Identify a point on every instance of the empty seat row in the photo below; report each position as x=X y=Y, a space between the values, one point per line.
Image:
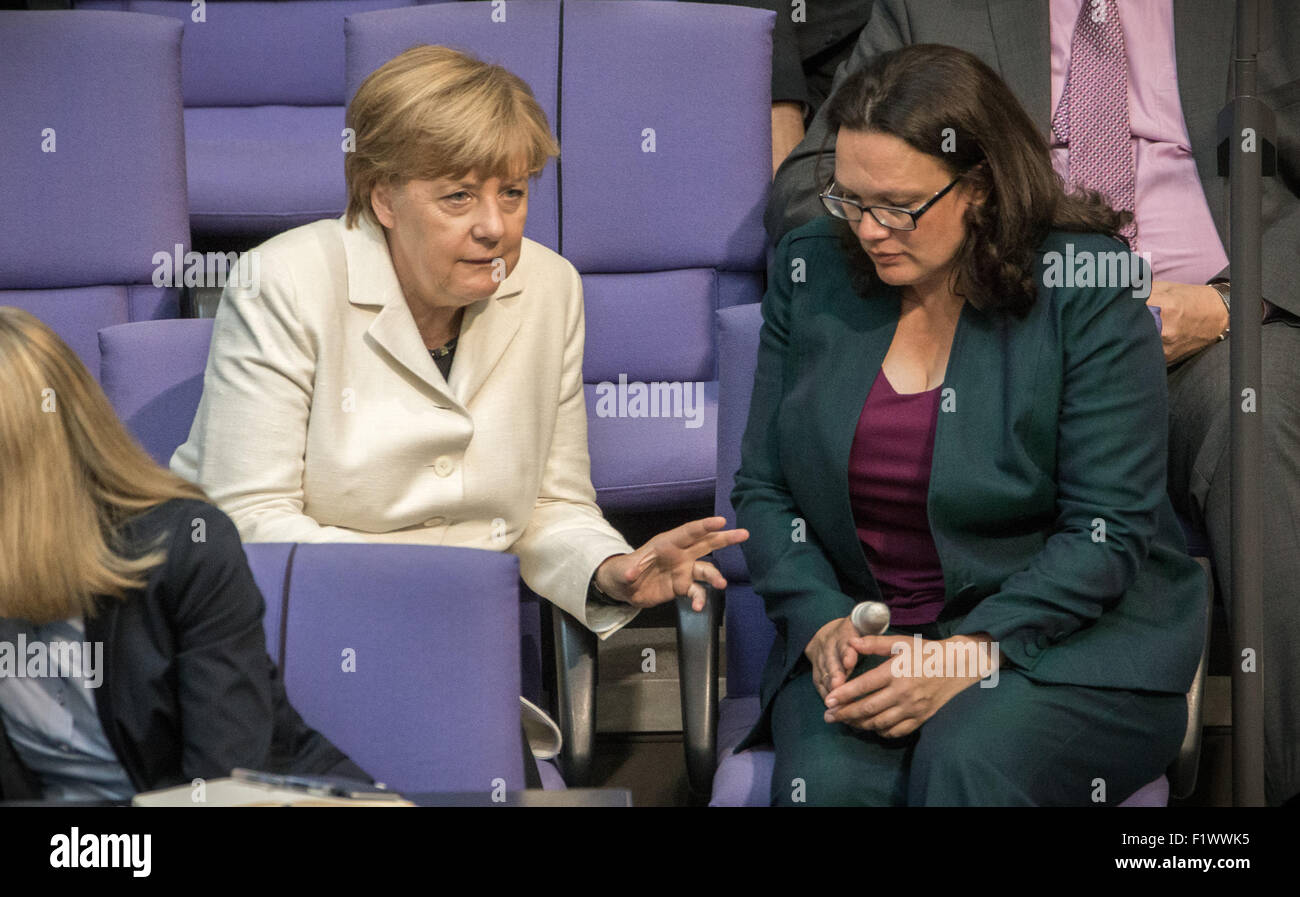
x=662 y=113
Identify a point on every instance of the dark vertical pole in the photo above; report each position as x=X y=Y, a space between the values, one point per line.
x=1246 y=146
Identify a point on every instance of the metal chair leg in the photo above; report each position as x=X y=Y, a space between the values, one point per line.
x=697 y=659
x=575 y=675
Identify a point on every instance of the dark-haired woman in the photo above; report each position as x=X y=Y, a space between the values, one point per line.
x=973 y=435
x=132 y=654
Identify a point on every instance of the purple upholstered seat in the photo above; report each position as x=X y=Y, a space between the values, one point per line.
x=153 y=376
x=525 y=41
x=263 y=89
x=152 y=372
x=744 y=779
x=390 y=653
x=665 y=122
x=94 y=169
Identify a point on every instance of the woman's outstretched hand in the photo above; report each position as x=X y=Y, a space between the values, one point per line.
x=669 y=565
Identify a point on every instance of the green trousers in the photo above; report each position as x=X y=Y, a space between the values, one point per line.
x=1020 y=743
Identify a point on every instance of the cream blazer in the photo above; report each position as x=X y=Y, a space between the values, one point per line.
x=323 y=418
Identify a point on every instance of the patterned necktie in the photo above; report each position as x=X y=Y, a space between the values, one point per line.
x=1097 y=132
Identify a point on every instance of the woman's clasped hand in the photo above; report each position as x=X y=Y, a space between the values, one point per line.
x=896 y=696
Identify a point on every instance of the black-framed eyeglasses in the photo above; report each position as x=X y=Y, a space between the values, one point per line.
x=886 y=216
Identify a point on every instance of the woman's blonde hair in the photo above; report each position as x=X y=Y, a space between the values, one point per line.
x=70 y=475
x=433 y=113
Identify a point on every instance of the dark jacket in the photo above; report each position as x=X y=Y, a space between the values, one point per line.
x=806 y=53
x=188 y=689
x=1048 y=425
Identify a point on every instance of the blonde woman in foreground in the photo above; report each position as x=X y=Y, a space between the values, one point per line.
x=131 y=656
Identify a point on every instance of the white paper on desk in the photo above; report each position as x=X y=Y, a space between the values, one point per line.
x=234 y=793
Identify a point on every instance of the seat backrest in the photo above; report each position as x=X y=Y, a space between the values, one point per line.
x=522 y=36
x=94 y=156
x=665 y=121
x=665 y=116
x=749 y=632
x=406 y=658
x=240 y=53
x=738 y=330
x=152 y=373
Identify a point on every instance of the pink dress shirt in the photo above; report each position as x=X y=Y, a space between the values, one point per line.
x=1173 y=218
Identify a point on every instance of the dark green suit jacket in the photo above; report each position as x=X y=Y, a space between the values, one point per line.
x=1047 y=498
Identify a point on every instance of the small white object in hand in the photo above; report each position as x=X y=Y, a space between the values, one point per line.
x=870 y=618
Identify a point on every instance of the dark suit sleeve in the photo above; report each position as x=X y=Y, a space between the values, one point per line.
x=788 y=82
x=224 y=680
x=793 y=200
x=1279 y=82
x=795 y=578
x=1110 y=472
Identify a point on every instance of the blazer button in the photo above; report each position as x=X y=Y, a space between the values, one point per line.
x=435 y=521
x=444 y=466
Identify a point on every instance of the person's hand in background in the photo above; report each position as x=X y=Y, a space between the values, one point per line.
x=1191 y=317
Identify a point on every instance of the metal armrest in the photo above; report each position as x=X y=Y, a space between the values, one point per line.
x=575 y=687
x=697 y=670
x=1182 y=772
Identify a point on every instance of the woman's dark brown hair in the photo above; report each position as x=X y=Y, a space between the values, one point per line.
x=917 y=94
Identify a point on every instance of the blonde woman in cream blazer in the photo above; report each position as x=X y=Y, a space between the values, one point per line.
x=324 y=416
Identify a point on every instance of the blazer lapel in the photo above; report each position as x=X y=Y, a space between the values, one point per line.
x=847 y=365
x=373 y=282
x=487 y=330
x=1022 y=38
x=851 y=351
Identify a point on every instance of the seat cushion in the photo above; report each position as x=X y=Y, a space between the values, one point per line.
x=666 y=461
x=1152 y=794
x=744 y=779
x=550 y=775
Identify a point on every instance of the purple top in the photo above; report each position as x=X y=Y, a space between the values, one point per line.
x=889 y=480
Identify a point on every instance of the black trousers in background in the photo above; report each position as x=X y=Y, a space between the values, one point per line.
x=1200 y=473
